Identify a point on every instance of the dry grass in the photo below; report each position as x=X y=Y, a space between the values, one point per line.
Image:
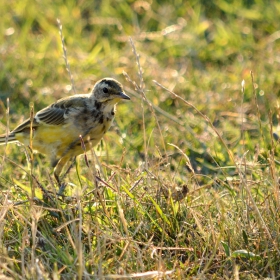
x=186 y=182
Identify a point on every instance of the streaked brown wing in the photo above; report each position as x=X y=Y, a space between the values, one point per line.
x=52 y=115
x=25 y=126
x=56 y=113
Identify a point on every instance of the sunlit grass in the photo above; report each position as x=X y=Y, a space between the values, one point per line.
x=185 y=185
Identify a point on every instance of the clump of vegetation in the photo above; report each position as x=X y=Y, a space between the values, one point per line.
x=185 y=183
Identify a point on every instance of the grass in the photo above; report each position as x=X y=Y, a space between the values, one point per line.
x=186 y=182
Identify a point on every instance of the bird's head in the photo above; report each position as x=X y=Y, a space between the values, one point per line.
x=109 y=90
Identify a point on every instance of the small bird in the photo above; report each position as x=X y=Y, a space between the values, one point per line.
x=57 y=129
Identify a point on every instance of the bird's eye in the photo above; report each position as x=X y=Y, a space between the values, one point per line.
x=105 y=90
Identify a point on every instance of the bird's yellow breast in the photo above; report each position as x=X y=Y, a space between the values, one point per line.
x=57 y=140
x=48 y=139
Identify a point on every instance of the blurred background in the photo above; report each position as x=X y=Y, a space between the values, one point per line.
x=200 y=49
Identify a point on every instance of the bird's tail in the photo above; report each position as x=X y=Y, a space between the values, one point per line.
x=4 y=138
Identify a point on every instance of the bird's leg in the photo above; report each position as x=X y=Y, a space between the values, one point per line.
x=58 y=168
x=73 y=160
x=63 y=184
x=59 y=164
x=56 y=176
x=60 y=183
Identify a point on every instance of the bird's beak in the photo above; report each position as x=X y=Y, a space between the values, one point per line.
x=122 y=95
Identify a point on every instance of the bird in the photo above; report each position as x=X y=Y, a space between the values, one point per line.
x=71 y=125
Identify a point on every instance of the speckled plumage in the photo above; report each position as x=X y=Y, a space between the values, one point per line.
x=58 y=127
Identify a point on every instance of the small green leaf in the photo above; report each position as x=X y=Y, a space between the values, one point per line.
x=128 y=192
x=245 y=237
x=244 y=254
x=160 y=212
x=226 y=248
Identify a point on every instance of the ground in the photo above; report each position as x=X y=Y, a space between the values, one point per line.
x=185 y=185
